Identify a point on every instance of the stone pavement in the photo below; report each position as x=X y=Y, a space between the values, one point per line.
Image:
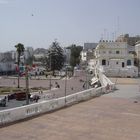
x=125 y=80
x=103 y=118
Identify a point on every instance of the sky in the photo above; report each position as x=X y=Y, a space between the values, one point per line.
x=37 y=23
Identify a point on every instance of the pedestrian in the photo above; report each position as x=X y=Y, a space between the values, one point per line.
x=41 y=91
x=84 y=86
x=107 y=87
x=57 y=85
x=8 y=98
x=5 y=97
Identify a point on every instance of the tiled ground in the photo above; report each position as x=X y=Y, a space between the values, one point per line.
x=103 y=118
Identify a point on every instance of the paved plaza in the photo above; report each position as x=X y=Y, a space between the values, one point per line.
x=103 y=118
x=72 y=85
x=113 y=116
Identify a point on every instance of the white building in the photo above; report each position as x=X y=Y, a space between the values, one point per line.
x=115 y=60
x=67 y=54
x=88 y=51
x=84 y=55
x=137 y=49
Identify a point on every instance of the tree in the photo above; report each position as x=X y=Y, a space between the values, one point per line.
x=55 y=59
x=20 y=49
x=75 y=55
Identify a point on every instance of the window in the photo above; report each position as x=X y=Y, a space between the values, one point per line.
x=122 y=64
x=128 y=62
x=103 y=62
x=110 y=52
x=117 y=52
x=117 y=62
x=104 y=52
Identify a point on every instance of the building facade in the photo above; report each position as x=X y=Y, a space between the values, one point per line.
x=115 y=60
x=137 y=50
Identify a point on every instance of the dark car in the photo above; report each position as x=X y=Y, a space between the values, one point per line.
x=3 y=102
x=21 y=95
x=11 y=96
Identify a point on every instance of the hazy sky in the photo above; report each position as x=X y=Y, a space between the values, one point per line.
x=37 y=23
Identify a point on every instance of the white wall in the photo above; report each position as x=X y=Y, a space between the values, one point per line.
x=19 y=113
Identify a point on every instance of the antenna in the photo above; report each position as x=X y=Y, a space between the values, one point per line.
x=104 y=34
x=101 y=37
x=107 y=35
x=113 y=36
x=118 y=25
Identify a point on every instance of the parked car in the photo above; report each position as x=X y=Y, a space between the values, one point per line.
x=2 y=102
x=11 y=96
x=21 y=95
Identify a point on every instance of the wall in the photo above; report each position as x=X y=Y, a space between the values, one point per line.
x=19 y=113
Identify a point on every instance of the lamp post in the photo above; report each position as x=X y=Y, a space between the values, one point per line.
x=27 y=85
x=65 y=84
x=87 y=78
x=138 y=63
x=50 y=71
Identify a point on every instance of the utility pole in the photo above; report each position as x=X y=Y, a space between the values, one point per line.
x=50 y=70
x=138 y=63
x=27 y=85
x=65 y=85
x=87 y=78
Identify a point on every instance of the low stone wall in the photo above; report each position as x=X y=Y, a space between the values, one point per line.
x=19 y=113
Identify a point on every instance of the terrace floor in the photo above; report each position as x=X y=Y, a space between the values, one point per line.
x=103 y=118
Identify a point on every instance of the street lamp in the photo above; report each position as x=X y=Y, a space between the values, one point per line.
x=87 y=76
x=50 y=71
x=27 y=85
x=65 y=83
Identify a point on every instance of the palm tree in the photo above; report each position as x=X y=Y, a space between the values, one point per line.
x=20 y=49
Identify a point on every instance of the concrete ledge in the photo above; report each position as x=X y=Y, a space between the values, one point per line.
x=21 y=113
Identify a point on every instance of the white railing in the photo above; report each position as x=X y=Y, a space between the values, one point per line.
x=105 y=81
x=19 y=113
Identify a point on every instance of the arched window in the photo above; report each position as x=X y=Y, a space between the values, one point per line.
x=103 y=62
x=128 y=62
